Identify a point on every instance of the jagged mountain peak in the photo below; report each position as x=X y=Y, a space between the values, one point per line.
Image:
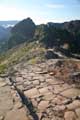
x=25 y=24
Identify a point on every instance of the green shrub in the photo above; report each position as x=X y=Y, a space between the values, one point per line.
x=2 y=68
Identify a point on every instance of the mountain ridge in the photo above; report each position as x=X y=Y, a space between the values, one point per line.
x=44 y=42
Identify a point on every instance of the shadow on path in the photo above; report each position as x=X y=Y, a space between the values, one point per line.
x=26 y=102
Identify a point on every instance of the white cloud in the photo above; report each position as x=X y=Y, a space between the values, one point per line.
x=11 y=13
x=55 y=6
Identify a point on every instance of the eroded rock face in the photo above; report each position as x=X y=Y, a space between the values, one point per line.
x=67 y=70
x=45 y=96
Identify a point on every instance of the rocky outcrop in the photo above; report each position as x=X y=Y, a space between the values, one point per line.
x=51 y=55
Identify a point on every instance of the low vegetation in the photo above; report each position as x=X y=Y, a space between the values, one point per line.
x=29 y=42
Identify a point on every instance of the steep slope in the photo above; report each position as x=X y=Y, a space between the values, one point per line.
x=30 y=43
x=4 y=33
x=4 y=36
x=28 y=52
x=71 y=32
x=59 y=35
x=21 y=32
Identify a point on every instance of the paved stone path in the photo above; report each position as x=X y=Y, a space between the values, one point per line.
x=10 y=105
x=38 y=95
x=50 y=98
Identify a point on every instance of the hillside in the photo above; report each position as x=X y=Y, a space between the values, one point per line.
x=4 y=33
x=37 y=43
x=64 y=36
x=21 y=32
x=59 y=35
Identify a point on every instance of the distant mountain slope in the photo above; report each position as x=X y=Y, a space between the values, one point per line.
x=4 y=33
x=60 y=35
x=25 y=27
x=4 y=36
x=21 y=32
x=51 y=35
x=71 y=26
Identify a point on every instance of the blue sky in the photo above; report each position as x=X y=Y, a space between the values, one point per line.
x=41 y=11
